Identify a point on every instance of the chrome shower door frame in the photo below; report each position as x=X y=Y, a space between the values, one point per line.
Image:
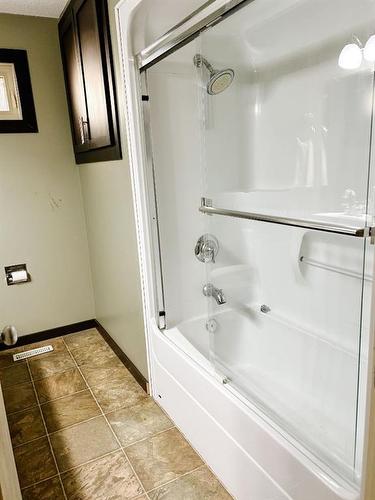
x=184 y=32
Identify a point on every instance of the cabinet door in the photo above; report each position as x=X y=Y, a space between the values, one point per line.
x=96 y=92
x=74 y=84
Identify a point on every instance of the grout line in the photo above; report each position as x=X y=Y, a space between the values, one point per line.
x=217 y=479
x=24 y=409
x=150 y=436
x=139 y=403
x=88 y=420
x=28 y=442
x=13 y=385
x=38 y=482
x=109 y=425
x=49 y=440
x=62 y=397
x=118 y=441
x=176 y=478
x=59 y=372
x=12 y=364
x=90 y=461
x=75 y=424
x=118 y=450
x=102 y=414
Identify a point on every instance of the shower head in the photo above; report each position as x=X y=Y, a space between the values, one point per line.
x=219 y=79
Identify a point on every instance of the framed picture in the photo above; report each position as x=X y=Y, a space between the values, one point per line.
x=17 y=110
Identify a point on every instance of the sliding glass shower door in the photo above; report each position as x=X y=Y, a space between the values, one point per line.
x=286 y=121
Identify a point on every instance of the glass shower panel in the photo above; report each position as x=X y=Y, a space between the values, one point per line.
x=289 y=137
x=176 y=185
x=291 y=134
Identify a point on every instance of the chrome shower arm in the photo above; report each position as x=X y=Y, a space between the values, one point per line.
x=199 y=60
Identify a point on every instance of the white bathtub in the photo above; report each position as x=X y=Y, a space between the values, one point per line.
x=254 y=459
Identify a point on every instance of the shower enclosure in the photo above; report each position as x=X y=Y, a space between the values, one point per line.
x=259 y=134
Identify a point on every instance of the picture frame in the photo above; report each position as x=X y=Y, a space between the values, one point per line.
x=17 y=109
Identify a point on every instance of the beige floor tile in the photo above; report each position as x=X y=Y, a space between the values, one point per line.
x=108 y=477
x=118 y=394
x=69 y=410
x=138 y=422
x=83 y=339
x=158 y=453
x=34 y=462
x=46 y=490
x=20 y=399
x=162 y=458
x=59 y=385
x=25 y=426
x=6 y=356
x=94 y=355
x=111 y=370
x=198 y=485
x=50 y=363
x=18 y=373
x=57 y=344
x=82 y=442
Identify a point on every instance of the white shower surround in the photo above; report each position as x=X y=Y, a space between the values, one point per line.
x=249 y=456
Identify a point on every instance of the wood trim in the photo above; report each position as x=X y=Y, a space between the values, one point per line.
x=31 y=338
x=28 y=124
x=142 y=381
x=52 y=333
x=9 y=484
x=112 y=151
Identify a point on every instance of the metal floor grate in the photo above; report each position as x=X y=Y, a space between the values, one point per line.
x=32 y=352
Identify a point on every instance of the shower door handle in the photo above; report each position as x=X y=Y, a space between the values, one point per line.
x=361 y=232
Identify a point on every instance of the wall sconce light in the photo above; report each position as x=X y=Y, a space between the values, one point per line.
x=369 y=50
x=351 y=55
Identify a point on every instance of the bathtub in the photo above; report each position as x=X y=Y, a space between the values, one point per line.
x=253 y=457
x=231 y=425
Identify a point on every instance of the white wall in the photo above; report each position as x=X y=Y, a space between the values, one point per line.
x=42 y=221
x=108 y=205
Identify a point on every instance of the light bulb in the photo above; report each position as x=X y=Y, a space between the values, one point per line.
x=350 y=57
x=369 y=50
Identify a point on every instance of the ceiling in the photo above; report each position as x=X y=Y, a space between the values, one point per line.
x=43 y=8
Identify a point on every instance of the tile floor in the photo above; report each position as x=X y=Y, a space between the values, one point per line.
x=82 y=428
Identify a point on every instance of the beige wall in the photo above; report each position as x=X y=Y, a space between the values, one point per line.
x=42 y=221
x=107 y=195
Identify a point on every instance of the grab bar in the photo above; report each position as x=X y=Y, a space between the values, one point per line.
x=362 y=232
x=334 y=269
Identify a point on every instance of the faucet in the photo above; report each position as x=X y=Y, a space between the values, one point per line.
x=209 y=290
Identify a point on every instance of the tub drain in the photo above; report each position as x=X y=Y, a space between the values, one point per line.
x=211 y=325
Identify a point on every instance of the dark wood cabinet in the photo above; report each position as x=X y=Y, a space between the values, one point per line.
x=88 y=67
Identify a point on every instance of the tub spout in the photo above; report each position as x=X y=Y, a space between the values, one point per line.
x=209 y=290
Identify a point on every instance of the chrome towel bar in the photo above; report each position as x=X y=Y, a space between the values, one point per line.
x=335 y=269
x=361 y=232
